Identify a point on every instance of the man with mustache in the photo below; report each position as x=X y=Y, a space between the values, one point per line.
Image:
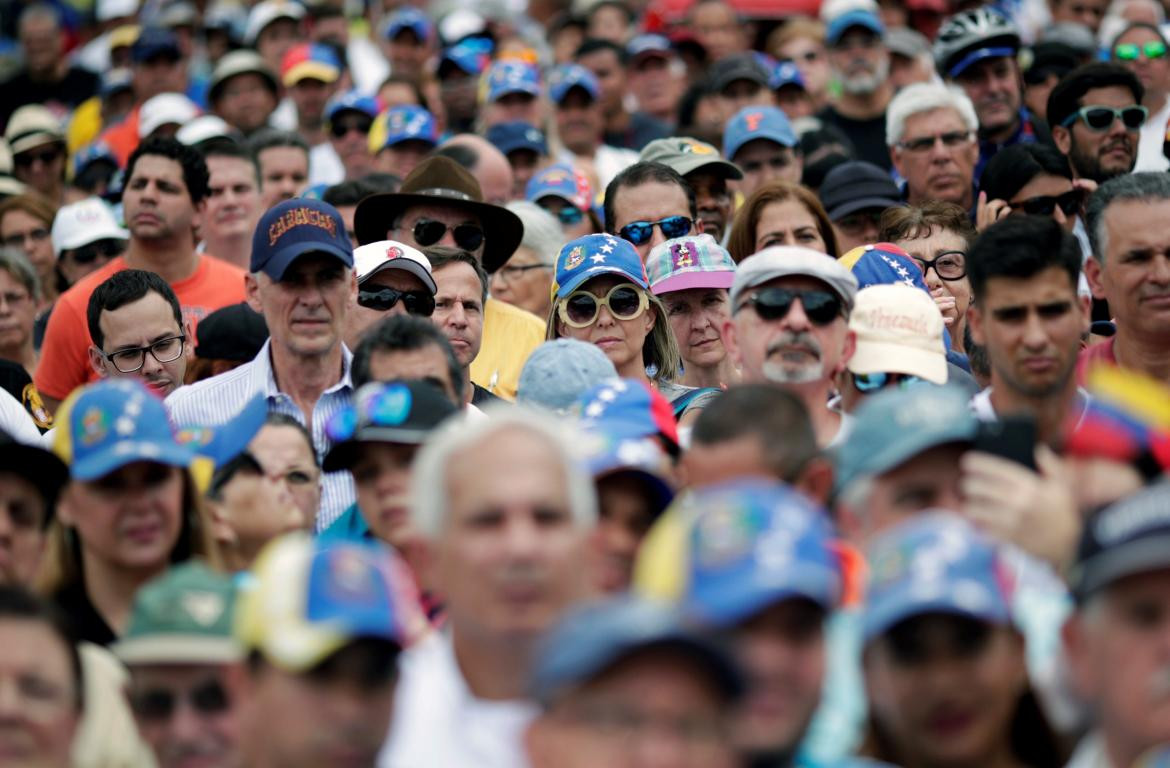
x=1115 y=640
x=860 y=62
x=506 y=516
x=976 y=50
x=1128 y=222
x=1096 y=116
x=790 y=325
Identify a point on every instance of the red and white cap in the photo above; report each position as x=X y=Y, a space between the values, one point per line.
x=372 y=258
x=84 y=222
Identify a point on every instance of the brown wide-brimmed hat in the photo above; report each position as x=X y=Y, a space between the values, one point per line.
x=442 y=181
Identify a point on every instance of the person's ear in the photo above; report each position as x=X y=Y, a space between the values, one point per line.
x=730 y=342
x=1086 y=305
x=66 y=516
x=651 y=318
x=221 y=527
x=1094 y=274
x=848 y=348
x=97 y=361
x=252 y=292
x=975 y=324
x=1062 y=138
x=896 y=160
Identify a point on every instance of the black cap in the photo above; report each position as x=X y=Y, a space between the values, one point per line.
x=741 y=66
x=154 y=42
x=855 y=186
x=43 y=469
x=235 y=332
x=1128 y=537
x=404 y=412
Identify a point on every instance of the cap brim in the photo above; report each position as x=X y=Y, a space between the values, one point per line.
x=853 y=206
x=276 y=266
x=717 y=603
x=85 y=237
x=310 y=70
x=40 y=467
x=713 y=279
x=580 y=277
x=694 y=163
x=406 y=265
x=177 y=649
x=1148 y=554
x=344 y=455
x=887 y=614
x=889 y=357
x=127 y=452
x=897 y=452
x=502 y=229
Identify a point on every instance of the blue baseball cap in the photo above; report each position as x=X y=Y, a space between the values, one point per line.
x=91 y=153
x=511 y=76
x=895 y=425
x=754 y=544
x=858 y=17
x=409 y=17
x=116 y=422
x=595 y=637
x=883 y=264
x=625 y=409
x=410 y=123
x=353 y=101
x=592 y=255
x=785 y=73
x=224 y=442
x=511 y=137
x=643 y=457
x=154 y=42
x=936 y=563
x=470 y=56
x=558 y=372
x=751 y=123
x=569 y=76
x=295 y=227
x=646 y=46
x=559 y=181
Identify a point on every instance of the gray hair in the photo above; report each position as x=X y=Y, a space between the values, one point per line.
x=542 y=233
x=17 y=264
x=429 y=494
x=925 y=97
x=38 y=11
x=1143 y=187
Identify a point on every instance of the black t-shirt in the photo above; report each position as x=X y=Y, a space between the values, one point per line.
x=77 y=86
x=642 y=130
x=87 y=624
x=868 y=136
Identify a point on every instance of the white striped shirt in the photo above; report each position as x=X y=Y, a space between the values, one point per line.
x=218 y=399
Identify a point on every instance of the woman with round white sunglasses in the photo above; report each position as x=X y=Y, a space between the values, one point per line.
x=601 y=295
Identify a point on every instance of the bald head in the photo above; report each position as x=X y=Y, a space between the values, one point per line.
x=491 y=168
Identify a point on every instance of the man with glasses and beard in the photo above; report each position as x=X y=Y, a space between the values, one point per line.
x=861 y=63
x=441 y=204
x=1096 y=116
x=790 y=325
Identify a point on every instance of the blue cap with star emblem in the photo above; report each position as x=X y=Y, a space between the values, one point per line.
x=936 y=563
x=592 y=256
x=512 y=76
x=754 y=544
x=410 y=123
x=116 y=422
x=625 y=409
x=895 y=425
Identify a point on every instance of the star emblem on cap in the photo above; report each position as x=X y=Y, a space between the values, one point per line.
x=607 y=248
x=598 y=258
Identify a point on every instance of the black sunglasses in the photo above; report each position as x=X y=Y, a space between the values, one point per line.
x=1045 y=205
x=108 y=249
x=383 y=299
x=343 y=127
x=821 y=307
x=46 y=156
x=158 y=705
x=638 y=232
x=427 y=232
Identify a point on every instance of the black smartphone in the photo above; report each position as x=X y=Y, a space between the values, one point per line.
x=1013 y=438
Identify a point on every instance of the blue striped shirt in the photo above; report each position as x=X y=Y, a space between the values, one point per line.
x=218 y=399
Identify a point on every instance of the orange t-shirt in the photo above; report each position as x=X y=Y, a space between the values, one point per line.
x=64 y=363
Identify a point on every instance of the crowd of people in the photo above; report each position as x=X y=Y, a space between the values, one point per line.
x=556 y=383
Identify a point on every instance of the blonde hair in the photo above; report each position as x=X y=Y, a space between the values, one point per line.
x=660 y=349
x=795 y=28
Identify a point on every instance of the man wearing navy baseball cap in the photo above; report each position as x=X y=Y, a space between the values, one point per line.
x=302 y=281
x=525 y=147
x=761 y=142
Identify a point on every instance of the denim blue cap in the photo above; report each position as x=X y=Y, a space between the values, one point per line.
x=594 y=637
x=894 y=426
x=558 y=372
x=155 y=41
x=295 y=227
x=509 y=76
x=648 y=45
x=353 y=101
x=593 y=255
x=225 y=441
x=510 y=137
x=568 y=76
x=751 y=123
x=471 y=56
x=116 y=422
x=625 y=409
x=754 y=544
x=556 y=181
x=641 y=457
x=855 y=18
x=785 y=73
x=409 y=17
x=937 y=563
x=91 y=153
x=410 y=123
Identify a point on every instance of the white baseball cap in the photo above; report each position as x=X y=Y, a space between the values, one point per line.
x=84 y=222
x=899 y=329
x=268 y=11
x=164 y=109
x=203 y=128
x=372 y=258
